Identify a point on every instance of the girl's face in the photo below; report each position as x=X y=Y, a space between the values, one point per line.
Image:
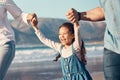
x=65 y=36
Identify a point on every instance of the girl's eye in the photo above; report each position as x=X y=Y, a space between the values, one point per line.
x=64 y=33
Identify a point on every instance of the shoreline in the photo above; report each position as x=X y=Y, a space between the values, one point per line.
x=48 y=70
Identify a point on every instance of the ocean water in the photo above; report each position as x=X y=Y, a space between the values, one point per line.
x=44 y=53
x=36 y=63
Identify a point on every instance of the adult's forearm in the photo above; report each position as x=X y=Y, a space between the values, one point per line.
x=95 y=14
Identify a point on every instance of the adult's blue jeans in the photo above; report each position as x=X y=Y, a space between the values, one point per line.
x=7 y=53
x=111 y=63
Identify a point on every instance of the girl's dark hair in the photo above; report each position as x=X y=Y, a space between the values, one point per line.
x=69 y=26
x=82 y=52
x=57 y=57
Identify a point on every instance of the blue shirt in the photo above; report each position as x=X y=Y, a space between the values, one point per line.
x=112 y=32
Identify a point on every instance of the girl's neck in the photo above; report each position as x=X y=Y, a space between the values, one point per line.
x=66 y=46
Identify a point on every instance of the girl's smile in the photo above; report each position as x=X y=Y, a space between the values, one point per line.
x=65 y=36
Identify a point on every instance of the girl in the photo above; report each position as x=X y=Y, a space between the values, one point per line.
x=72 y=66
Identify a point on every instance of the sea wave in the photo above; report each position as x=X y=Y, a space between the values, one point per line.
x=43 y=53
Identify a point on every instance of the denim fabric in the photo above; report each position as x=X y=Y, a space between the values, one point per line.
x=111 y=65
x=7 y=52
x=73 y=68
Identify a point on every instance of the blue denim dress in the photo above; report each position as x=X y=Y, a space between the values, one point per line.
x=73 y=68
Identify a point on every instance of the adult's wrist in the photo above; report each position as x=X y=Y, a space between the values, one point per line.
x=79 y=16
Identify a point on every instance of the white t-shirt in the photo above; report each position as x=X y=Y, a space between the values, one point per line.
x=6 y=31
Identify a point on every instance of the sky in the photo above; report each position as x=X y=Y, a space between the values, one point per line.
x=54 y=8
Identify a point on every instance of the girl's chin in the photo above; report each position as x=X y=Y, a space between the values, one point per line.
x=63 y=43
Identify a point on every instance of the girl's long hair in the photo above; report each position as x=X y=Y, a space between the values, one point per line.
x=82 y=51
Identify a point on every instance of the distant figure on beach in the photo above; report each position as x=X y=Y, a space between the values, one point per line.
x=109 y=11
x=7 y=37
x=72 y=60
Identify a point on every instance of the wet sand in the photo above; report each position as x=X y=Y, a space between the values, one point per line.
x=45 y=70
x=49 y=70
x=98 y=76
x=95 y=67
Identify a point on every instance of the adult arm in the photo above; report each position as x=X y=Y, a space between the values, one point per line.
x=17 y=13
x=96 y=14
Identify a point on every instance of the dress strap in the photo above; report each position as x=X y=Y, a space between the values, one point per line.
x=73 y=49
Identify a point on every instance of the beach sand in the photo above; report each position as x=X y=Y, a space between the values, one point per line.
x=98 y=76
x=95 y=67
x=48 y=70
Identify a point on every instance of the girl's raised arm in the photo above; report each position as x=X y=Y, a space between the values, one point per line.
x=42 y=38
x=77 y=42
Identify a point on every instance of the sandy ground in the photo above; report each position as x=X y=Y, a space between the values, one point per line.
x=48 y=70
x=98 y=76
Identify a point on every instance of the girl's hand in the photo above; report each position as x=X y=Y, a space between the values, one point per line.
x=33 y=21
x=32 y=16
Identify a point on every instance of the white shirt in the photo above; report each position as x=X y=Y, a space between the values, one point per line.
x=6 y=31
